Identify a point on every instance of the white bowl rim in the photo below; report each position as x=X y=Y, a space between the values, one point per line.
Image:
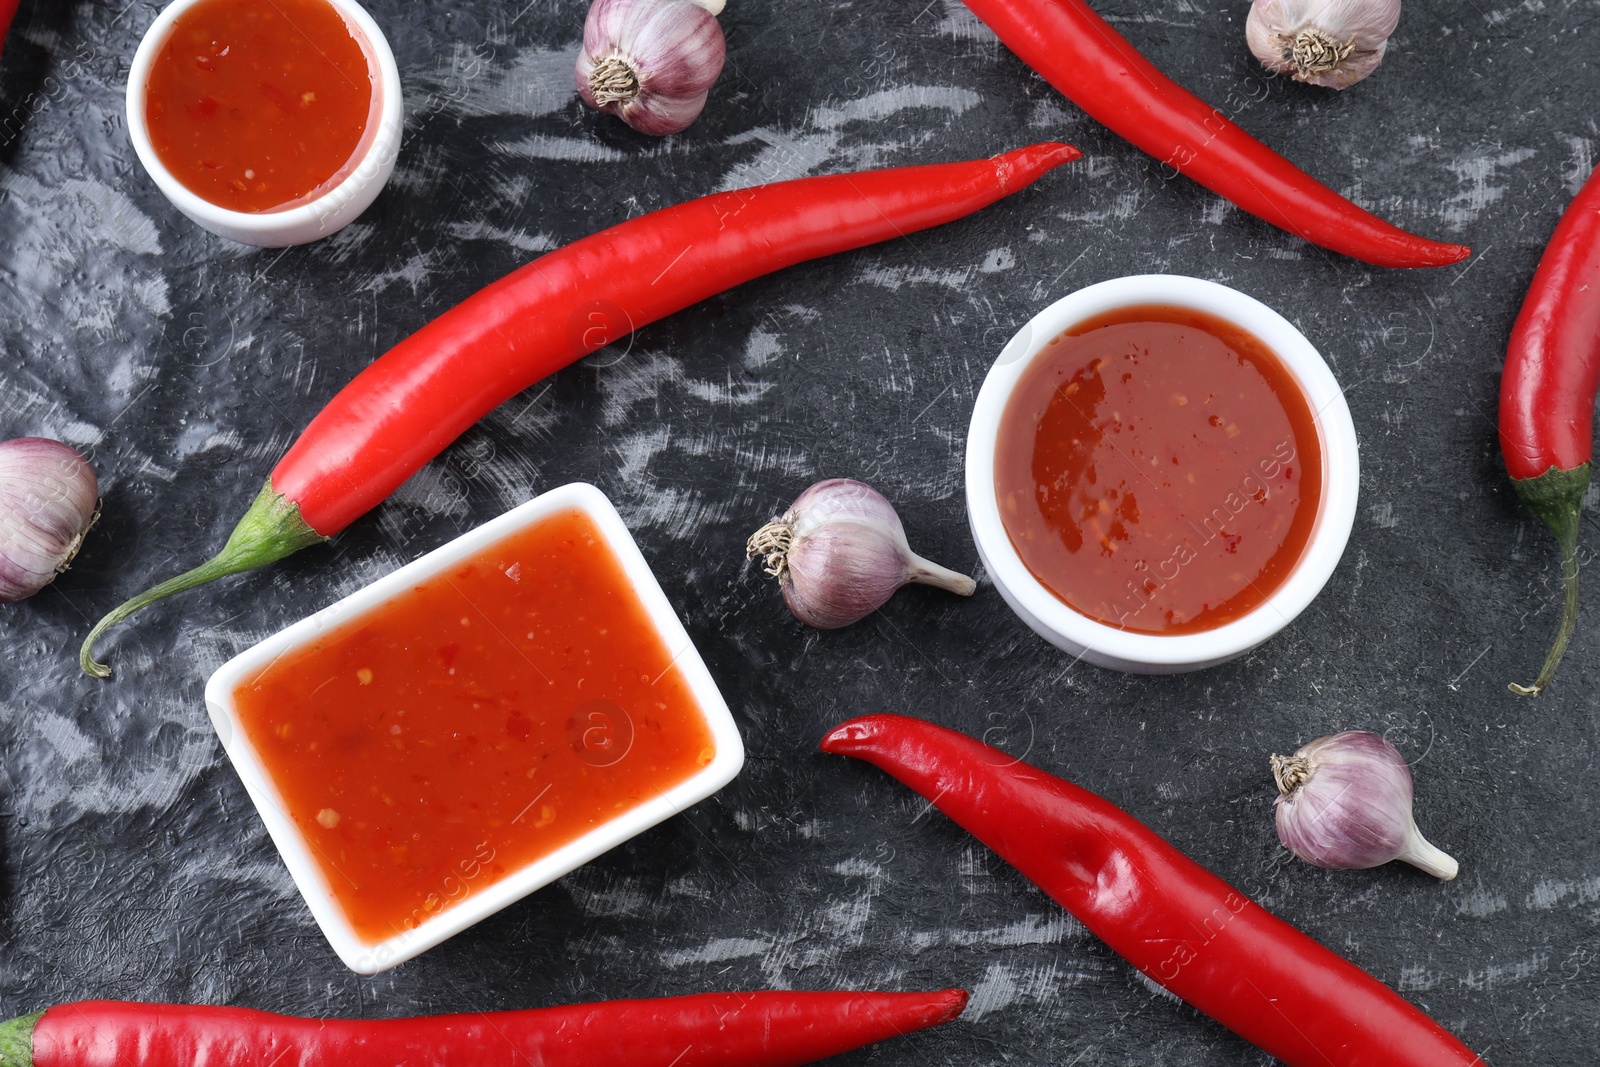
x=1340 y=471
x=366 y=957
x=384 y=140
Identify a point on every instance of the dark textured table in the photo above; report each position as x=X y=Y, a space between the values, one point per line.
x=131 y=862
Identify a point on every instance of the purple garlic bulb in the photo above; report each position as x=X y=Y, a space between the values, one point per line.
x=1345 y=803
x=650 y=62
x=840 y=552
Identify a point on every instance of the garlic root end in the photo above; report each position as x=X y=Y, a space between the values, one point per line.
x=614 y=80
x=1289 y=773
x=771 y=544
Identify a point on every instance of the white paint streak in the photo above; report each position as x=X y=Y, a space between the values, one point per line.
x=1004 y=985
x=893 y=278
x=1546 y=895
x=1415 y=978
x=959 y=22
x=414 y=272
x=600 y=896
x=69 y=766
x=718 y=950
x=70 y=248
x=1032 y=930
x=1497 y=974
x=1478 y=174
x=859 y=868
x=761 y=349
x=1480 y=904
x=520 y=239
x=567 y=149
x=880 y=105
x=795 y=153
x=534 y=82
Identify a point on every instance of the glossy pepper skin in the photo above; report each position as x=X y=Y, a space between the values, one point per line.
x=767 y=1029
x=1096 y=68
x=426 y=391
x=1178 y=923
x=1547 y=394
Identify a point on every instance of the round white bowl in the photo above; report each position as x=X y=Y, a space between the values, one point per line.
x=300 y=225
x=1108 y=646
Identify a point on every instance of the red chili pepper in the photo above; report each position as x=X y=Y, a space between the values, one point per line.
x=1096 y=68
x=769 y=1029
x=426 y=391
x=1178 y=923
x=1547 y=394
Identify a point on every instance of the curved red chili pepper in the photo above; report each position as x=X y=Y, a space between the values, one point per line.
x=1547 y=394
x=426 y=391
x=1096 y=68
x=766 y=1029
x=1178 y=923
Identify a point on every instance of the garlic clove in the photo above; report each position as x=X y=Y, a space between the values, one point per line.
x=840 y=552
x=650 y=62
x=49 y=498
x=1345 y=803
x=1332 y=43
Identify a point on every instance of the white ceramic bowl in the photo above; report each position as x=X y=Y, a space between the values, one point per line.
x=1143 y=653
x=300 y=225
x=368 y=957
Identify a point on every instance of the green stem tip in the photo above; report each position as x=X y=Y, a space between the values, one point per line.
x=1556 y=496
x=16 y=1041
x=269 y=531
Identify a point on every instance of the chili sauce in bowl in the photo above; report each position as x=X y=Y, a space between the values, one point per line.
x=1161 y=473
x=270 y=123
x=473 y=726
x=1158 y=469
x=260 y=107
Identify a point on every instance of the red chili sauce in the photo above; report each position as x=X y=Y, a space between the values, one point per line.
x=475 y=724
x=261 y=106
x=1158 y=469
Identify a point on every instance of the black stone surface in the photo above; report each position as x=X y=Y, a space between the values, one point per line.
x=132 y=864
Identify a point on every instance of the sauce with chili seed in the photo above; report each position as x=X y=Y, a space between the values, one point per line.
x=475 y=724
x=261 y=106
x=1158 y=469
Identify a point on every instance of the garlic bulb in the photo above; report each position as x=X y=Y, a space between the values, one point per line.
x=1345 y=803
x=650 y=62
x=1333 y=43
x=49 y=497
x=840 y=552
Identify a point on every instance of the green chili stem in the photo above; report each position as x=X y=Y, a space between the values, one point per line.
x=16 y=1041
x=269 y=531
x=1556 y=496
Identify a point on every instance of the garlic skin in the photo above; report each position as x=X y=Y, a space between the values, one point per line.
x=840 y=552
x=49 y=497
x=650 y=62
x=1344 y=803
x=1332 y=43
